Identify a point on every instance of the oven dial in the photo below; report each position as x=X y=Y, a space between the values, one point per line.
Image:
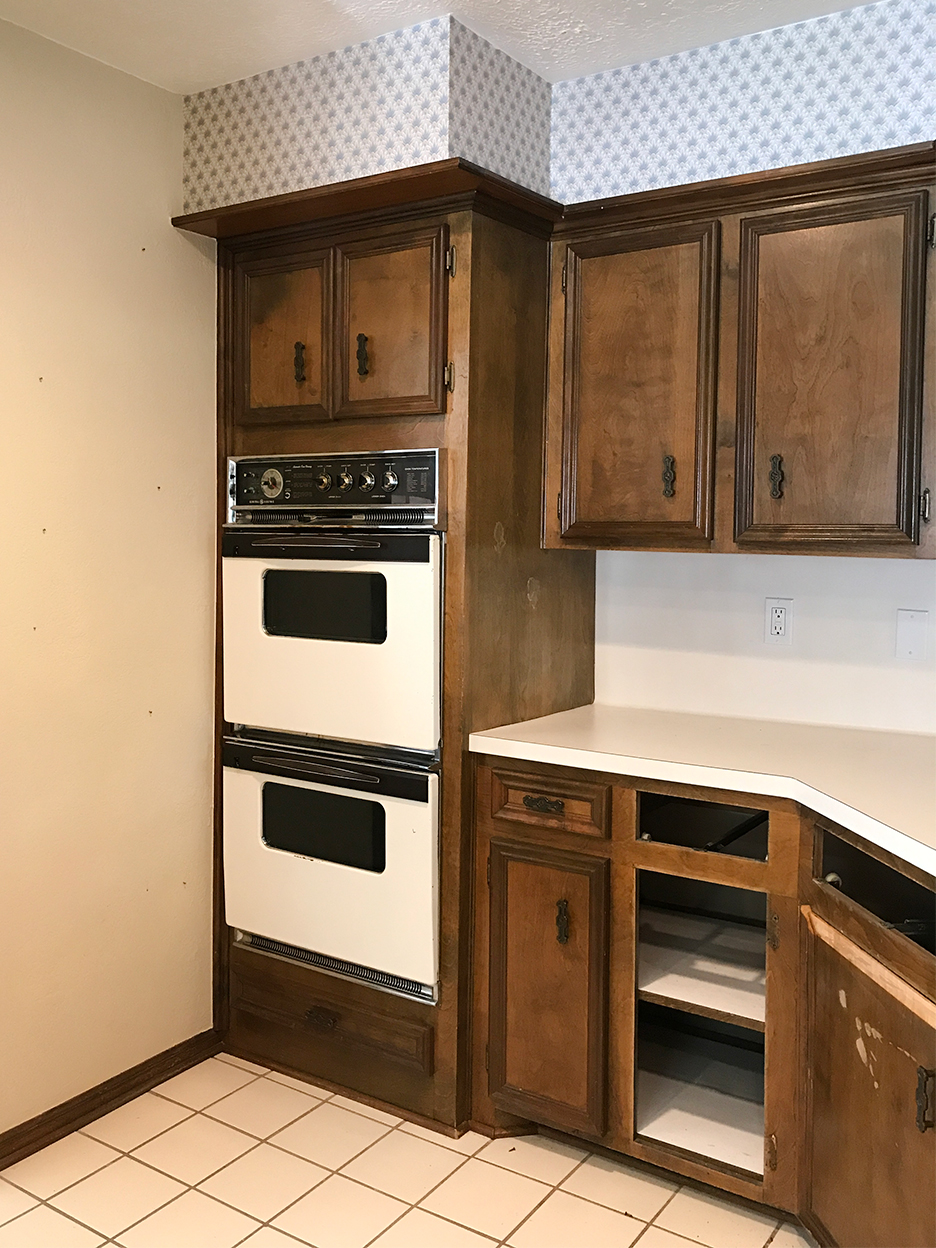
x=272 y=483
x=367 y=481
x=390 y=481
x=323 y=481
x=345 y=480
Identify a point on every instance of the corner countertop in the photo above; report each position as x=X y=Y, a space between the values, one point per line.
x=881 y=785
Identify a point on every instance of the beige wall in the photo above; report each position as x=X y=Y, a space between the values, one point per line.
x=106 y=569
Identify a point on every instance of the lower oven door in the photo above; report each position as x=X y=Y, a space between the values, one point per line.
x=334 y=635
x=333 y=857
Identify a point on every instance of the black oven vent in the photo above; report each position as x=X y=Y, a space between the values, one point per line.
x=337 y=966
x=377 y=516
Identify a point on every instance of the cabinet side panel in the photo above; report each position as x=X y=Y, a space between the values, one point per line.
x=530 y=613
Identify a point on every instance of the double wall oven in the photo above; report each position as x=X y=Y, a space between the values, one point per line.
x=331 y=610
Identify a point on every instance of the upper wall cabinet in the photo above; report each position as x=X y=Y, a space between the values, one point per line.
x=391 y=325
x=354 y=329
x=639 y=386
x=830 y=373
x=289 y=347
x=740 y=365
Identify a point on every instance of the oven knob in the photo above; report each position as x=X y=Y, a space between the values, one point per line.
x=272 y=483
x=390 y=481
x=345 y=480
x=367 y=481
x=323 y=481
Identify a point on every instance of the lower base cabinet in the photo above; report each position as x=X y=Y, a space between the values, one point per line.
x=670 y=973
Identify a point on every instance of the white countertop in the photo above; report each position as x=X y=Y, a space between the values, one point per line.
x=881 y=785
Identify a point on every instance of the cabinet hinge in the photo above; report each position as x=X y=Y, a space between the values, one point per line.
x=489 y=871
x=931 y=231
x=770 y=1152
x=451 y=256
x=925 y=506
x=773 y=931
x=565 y=276
x=449 y=376
x=559 y=508
x=487 y=1057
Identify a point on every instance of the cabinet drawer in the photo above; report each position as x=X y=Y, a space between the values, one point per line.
x=547 y=802
x=265 y=992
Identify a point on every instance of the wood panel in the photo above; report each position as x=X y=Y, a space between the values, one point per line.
x=870 y=1168
x=391 y=324
x=639 y=386
x=578 y=806
x=548 y=985
x=830 y=374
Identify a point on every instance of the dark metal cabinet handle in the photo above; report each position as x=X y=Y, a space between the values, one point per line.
x=545 y=805
x=299 y=362
x=669 y=476
x=562 y=922
x=362 y=360
x=925 y=1089
x=775 y=476
x=321 y=1019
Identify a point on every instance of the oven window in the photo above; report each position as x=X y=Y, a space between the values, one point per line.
x=348 y=830
x=328 y=606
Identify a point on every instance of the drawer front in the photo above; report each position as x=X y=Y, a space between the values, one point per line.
x=555 y=803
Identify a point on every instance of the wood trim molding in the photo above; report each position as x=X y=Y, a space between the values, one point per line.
x=61 y=1120
x=892 y=984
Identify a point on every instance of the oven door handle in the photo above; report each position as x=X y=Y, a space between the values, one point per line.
x=305 y=543
x=314 y=769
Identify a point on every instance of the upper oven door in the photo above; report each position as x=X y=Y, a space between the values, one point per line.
x=335 y=635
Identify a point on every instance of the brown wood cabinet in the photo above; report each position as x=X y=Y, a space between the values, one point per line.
x=741 y=365
x=639 y=400
x=713 y=983
x=350 y=330
x=549 y=972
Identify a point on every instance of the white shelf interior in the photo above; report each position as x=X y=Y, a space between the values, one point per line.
x=710 y=963
x=701 y=1120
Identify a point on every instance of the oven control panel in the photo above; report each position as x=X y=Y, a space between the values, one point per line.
x=398 y=488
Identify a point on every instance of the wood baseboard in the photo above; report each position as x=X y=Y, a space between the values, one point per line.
x=61 y=1120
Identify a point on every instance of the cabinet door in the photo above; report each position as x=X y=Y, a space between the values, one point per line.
x=830 y=375
x=871 y=1145
x=548 y=985
x=287 y=348
x=639 y=387
x=391 y=324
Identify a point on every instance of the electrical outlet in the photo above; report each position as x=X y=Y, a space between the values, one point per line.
x=778 y=621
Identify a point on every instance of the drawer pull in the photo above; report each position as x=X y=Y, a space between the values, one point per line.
x=362 y=361
x=924 y=1099
x=775 y=476
x=299 y=363
x=320 y=1019
x=669 y=476
x=545 y=805
x=562 y=922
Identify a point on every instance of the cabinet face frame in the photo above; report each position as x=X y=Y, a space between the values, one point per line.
x=433 y=402
x=905 y=531
x=245 y=270
x=596 y=870
x=644 y=533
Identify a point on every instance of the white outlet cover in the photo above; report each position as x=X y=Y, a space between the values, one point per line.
x=911 y=635
x=786 y=637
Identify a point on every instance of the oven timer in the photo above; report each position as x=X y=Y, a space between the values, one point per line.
x=271 y=483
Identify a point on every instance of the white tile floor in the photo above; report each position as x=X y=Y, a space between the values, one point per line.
x=229 y=1153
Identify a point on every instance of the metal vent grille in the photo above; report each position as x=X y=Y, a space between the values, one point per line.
x=374 y=515
x=337 y=966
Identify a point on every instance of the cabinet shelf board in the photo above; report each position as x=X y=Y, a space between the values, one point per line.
x=712 y=967
x=700 y=1120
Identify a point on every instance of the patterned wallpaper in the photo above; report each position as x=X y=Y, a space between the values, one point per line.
x=853 y=82
x=498 y=111
x=377 y=106
x=417 y=95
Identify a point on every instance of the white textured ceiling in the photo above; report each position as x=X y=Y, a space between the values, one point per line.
x=187 y=45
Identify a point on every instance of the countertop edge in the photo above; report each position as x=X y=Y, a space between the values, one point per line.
x=873 y=830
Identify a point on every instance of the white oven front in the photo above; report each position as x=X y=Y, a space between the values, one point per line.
x=334 y=856
x=334 y=635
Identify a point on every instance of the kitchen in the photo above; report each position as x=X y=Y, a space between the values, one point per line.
x=675 y=632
